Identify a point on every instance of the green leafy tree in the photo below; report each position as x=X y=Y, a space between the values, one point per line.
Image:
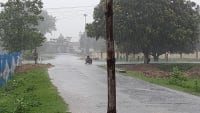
x=18 y=24
x=97 y=28
x=152 y=27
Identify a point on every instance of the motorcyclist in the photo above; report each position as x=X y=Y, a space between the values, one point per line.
x=88 y=60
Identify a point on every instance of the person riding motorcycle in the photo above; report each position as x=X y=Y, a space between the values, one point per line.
x=88 y=60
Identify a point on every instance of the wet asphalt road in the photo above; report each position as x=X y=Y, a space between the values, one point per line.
x=84 y=88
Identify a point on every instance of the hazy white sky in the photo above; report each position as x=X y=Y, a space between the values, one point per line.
x=69 y=15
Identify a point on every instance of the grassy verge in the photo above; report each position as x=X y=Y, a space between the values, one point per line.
x=177 y=80
x=181 y=66
x=189 y=85
x=31 y=92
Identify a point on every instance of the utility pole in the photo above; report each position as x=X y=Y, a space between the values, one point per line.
x=85 y=15
x=110 y=58
x=85 y=35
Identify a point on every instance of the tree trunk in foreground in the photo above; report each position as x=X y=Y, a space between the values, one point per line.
x=110 y=58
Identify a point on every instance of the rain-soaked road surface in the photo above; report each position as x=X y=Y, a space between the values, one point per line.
x=84 y=88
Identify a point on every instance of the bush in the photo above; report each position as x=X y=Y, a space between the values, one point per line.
x=21 y=106
x=196 y=86
x=177 y=77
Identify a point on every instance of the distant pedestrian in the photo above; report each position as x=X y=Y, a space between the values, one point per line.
x=148 y=61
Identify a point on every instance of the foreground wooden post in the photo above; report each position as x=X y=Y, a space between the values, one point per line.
x=110 y=58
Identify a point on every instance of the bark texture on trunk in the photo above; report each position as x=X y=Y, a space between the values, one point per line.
x=146 y=58
x=110 y=58
x=197 y=54
x=127 y=57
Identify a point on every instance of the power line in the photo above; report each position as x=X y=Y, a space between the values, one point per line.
x=80 y=10
x=64 y=18
x=73 y=7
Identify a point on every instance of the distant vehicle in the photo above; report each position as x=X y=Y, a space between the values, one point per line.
x=88 y=60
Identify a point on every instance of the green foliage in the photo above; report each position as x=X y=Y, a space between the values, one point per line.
x=177 y=81
x=140 y=26
x=25 y=104
x=181 y=66
x=21 y=106
x=18 y=21
x=177 y=77
x=197 y=85
x=31 y=92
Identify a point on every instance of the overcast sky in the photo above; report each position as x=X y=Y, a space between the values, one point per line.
x=69 y=15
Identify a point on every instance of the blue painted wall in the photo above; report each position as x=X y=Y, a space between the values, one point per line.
x=8 y=63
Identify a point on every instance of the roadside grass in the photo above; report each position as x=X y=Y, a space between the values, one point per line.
x=181 y=66
x=190 y=85
x=177 y=80
x=31 y=92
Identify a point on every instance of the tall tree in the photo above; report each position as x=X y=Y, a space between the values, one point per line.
x=152 y=27
x=18 y=24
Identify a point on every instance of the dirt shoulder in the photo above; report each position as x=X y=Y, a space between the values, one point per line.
x=151 y=70
x=29 y=67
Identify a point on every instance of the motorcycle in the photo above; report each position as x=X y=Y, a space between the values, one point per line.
x=88 y=61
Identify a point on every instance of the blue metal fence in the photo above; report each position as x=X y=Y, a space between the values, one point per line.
x=8 y=63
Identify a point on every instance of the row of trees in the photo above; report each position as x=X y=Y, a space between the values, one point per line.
x=86 y=44
x=152 y=27
x=23 y=24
